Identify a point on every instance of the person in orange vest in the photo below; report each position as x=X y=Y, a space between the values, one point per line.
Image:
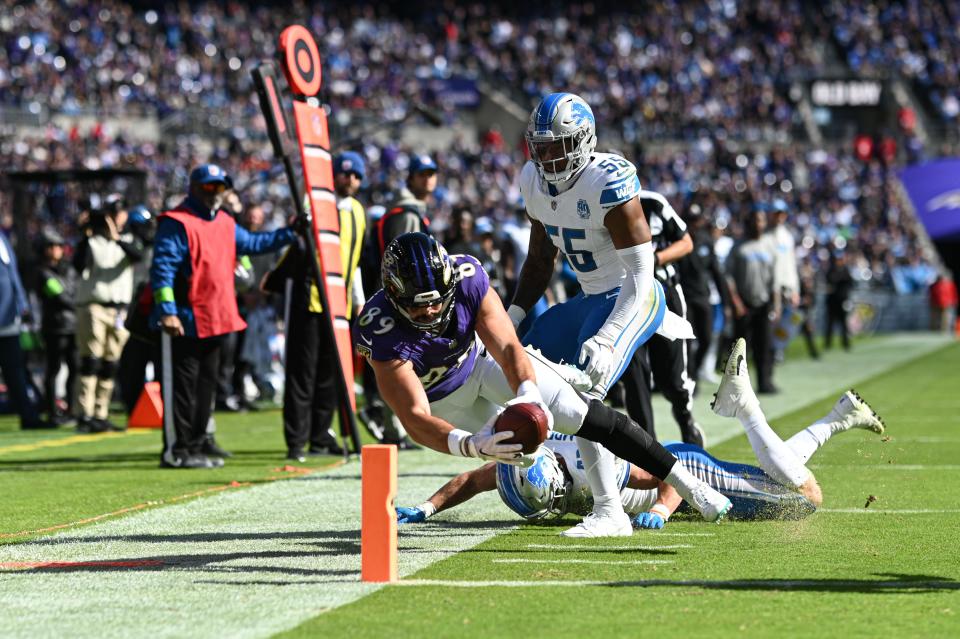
x=195 y=250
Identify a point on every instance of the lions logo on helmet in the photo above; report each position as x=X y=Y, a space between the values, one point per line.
x=534 y=492
x=561 y=135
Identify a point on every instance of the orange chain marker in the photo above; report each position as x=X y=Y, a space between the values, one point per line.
x=378 y=524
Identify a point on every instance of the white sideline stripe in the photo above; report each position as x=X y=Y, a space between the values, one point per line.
x=881 y=511
x=634 y=562
x=773 y=584
x=893 y=466
x=589 y=547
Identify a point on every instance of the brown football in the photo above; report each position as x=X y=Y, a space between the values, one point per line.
x=528 y=423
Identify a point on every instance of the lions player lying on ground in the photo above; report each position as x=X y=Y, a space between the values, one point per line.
x=781 y=488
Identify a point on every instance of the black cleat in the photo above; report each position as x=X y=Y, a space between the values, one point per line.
x=211 y=449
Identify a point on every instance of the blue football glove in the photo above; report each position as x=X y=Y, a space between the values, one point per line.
x=410 y=515
x=649 y=520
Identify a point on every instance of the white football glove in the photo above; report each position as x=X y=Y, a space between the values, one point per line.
x=528 y=393
x=599 y=360
x=487 y=444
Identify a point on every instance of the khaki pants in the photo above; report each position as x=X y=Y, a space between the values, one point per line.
x=100 y=340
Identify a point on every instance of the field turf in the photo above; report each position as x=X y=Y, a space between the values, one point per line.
x=241 y=552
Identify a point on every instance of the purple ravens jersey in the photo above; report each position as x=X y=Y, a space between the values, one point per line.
x=442 y=362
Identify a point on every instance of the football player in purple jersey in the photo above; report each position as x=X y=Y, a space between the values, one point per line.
x=447 y=361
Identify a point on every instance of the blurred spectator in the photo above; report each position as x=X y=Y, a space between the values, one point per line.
x=808 y=308
x=56 y=288
x=750 y=267
x=14 y=313
x=943 y=304
x=104 y=258
x=839 y=284
x=786 y=279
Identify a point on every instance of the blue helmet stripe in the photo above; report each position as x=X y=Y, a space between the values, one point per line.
x=547 y=110
x=509 y=492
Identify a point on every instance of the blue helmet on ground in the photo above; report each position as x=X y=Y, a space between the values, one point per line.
x=537 y=491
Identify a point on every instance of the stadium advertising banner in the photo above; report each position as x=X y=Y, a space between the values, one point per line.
x=934 y=190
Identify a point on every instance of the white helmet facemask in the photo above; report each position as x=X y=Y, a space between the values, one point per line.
x=561 y=135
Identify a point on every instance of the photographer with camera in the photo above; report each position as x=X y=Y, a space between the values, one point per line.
x=104 y=259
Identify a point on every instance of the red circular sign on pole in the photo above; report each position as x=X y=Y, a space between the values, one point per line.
x=301 y=60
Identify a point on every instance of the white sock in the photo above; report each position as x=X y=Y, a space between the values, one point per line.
x=776 y=458
x=805 y=443
x=601 y=470
x=683 y=480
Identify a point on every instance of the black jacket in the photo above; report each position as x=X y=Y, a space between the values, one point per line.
x=56 y=287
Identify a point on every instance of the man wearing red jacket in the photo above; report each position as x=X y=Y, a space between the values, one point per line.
x=195 y=250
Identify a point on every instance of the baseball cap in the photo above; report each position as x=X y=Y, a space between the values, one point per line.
x=483 y=225
x=50 y=237
x=420 y=163
x=349 y=162
x=208 y=173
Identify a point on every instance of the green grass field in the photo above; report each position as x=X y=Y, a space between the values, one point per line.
x=194 y=555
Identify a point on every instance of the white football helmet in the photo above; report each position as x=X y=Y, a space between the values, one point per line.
x=534 y=492
x=561 y=135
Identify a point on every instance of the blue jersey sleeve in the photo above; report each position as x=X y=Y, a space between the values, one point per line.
x=616 y=181
x=170 y=251
x=258 y=243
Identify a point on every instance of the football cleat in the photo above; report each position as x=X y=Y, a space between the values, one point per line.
x=735 y=396
x=853 y=412
x=712 y=505
x=594 y=525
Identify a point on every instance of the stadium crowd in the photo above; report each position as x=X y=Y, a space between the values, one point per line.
x=713 y=79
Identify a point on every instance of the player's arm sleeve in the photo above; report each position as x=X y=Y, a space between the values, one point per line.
x=170 y=251
x=631 y=235
x=81 y=255
x=258 y=243
x=356 y=290
x=133 y=249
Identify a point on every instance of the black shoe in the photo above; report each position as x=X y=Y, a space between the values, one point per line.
x=190 y=461
x=38 y=424
x=769 y=389
x=329 y=449
x=91 y=425
x=372 y=420
x=296 y=455
x=692 y=434
x=403 y=443
x=107 y=425
x=211 y=449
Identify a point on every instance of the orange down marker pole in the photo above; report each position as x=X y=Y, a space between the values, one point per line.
x=378 y=525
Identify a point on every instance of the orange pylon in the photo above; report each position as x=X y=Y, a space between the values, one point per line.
x=378 y=525
x=148 y=412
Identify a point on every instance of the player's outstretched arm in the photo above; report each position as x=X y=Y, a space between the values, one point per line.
x=500 y=338
x=404 y=394
x=536 y=273
x=456 y=491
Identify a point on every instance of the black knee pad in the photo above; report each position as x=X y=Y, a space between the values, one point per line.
x=89 y=365
x=626 y=439
x=108 y=369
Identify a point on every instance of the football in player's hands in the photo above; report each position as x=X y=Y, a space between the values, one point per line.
x=528 y=423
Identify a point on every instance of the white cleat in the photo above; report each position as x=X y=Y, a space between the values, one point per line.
x=851 y=411
x=712 y=505
x=594 y=525
x=735 y=396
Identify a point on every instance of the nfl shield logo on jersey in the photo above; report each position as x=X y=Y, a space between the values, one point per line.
x=583 y=210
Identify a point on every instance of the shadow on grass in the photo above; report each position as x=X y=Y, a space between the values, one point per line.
x=896 y=583
x=343 y=537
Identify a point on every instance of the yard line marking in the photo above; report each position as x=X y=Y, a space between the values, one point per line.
x=890 y=466
x=24 y=565
x=587 y=547
x=67 y=441
x=880 y=511
x=632 y=562
x=773 y=584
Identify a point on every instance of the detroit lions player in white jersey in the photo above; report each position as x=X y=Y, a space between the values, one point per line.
x=781 y=488
x=585 y=205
